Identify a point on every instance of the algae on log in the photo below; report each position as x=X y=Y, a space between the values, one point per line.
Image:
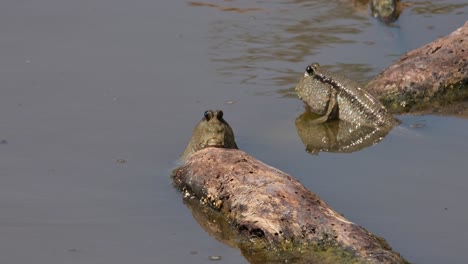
x=274 y=212
x=435 y=74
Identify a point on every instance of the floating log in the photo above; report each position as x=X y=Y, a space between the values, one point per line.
x=271 y=212
x=435 y=74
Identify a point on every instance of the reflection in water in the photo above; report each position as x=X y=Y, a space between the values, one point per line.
x=335 y=135
x=265 y=48
x=227 y=9
x=386 y=11
x=217 y=226
x=212 y=222
x=263 y=43
x=436 y=7
x=389 y=10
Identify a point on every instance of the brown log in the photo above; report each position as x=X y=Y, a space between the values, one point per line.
x=435 y=74
x=272 y=210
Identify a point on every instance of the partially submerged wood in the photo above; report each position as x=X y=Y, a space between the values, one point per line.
x=272 y=210
x=435 y=74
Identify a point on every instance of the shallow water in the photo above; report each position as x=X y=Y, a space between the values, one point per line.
x=99 y=98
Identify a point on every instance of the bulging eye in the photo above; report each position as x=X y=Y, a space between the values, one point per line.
x=207 y=114
x=311 y=69
x=219 y=115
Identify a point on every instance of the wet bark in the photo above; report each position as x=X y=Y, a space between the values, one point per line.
x=269 y=209
x=431 y=76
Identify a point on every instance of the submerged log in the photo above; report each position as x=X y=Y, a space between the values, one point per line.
x=272 y=210
x=335 y=135
x=435 y=74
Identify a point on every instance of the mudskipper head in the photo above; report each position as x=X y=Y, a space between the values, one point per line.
x=385 y=10
x=303 y=86
x=313 y=89
x=211 y=131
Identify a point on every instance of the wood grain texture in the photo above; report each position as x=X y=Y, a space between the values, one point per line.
x=432 y=75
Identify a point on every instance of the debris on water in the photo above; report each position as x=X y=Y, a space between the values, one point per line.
x=214 y=258
x=417 y=125
x=230 y=102
x=121 y=161
x=369 y=42
x=193 y=252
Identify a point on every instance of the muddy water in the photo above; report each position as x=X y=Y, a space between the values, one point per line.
x=98 y=98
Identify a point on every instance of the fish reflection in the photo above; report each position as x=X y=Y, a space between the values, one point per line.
x=335 y=135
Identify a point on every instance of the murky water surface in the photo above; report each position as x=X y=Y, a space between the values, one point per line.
x=98 y=99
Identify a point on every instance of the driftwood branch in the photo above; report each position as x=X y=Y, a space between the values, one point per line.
x=269 y=209
x=435 y=74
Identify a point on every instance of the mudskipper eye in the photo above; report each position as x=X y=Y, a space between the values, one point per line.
x=219 y=115
x=310 y=70
x=207 y=114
